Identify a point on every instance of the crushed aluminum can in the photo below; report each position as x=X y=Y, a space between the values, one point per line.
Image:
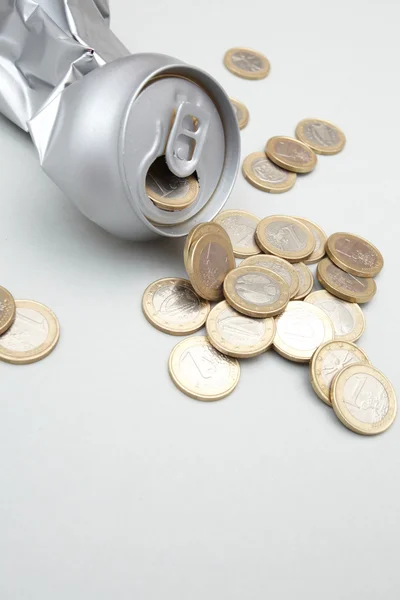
x=100 y=116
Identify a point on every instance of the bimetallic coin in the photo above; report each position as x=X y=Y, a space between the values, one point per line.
x=347 y=317
x=208 y=261
x=354 y=255
x=168 y=191
x=246 y=63
x=320 y=241
x=364 y=399
x=200 y=371
x=306 y=280
x=32 y=336
x=256 y=291
x=343 y=285
x=300 y=330
x=238 y=335
x=264 y=175
x=328 y=360
x=195 y=234
x=323 y=137
x=240 y=225
x=172 y=305
x=278 y=265
x=285 y=237
x=7 y=310
x=291 y=154
x=241 y=112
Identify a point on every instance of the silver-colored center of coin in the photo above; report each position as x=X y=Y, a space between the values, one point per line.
x=238 y=329
x=356 y=252
x=265 y=170
x=292 y=151
x=238 y=112
x=29 y=331
x=277 y=268
x=300 y=330
x=247 y=61
x=240 y=230
x=321 y=134
x=176 y=303
x=342 y=319
x=366 y=398
x=345 y=280
x=213 y=265
x=203 y=367
x=286 y=236
x=333 y=362
x=167 y=185
x=257 y=288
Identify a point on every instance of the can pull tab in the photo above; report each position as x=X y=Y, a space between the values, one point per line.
x=186 y=139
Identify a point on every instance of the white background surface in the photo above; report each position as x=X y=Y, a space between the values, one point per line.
x=113 y=483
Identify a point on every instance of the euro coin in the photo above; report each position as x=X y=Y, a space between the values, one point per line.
x=291 y=154
x=195 y=234
x=285 y=237
x=7 y=310
x=328 y=360
x=200 y=371
x=167 y=191
x=265 y=175
x=240 y=225
x=241 y=112
x=246 y=63
x=343 y=285
x=354 y=255
x=306 y=280
x=364 y=399
x=280 y=266
x=347 y=317
x=32 y=336
x=172 y=305
x=237 y=335
x=256 y=291
x=300 y=330
x=320 y=241
x=323 y=137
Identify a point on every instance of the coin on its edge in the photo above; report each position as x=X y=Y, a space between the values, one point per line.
x=343 y=285
x=265 y=175
x=195 y=234
x=306 y=279
x=322 y=136
x=247 y=63
x=169 y=192
x=320 y=241
x=171 y=305
x=353 y=254
x=32 y=336
x=328 y=360
x=241 y=226
x=364 y=399
x=280 y=266
x=200 y=371
x=291 y=154
x=7 y=310
x=347 y=317
x=241 y=112
x=285 y=237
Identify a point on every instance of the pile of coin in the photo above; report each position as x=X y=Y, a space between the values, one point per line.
x=260 y=306
x=29 y=331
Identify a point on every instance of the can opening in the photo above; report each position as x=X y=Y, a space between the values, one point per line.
x=167 y=191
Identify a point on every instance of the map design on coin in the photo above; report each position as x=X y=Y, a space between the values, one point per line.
x=167 y=186
x=203 y=367
x=266 y=171
x=321 y=134
x=29 y=331
x=356 y=251
x=345 y=280
x=302 y=331
x=176 y=303
x=284 y=236
x=293 y=151
x=213 y=265
x=339 y=314
x=238 y=329
x=366 y=398
x=247 y=61
x=257 y=288
x=240 y=230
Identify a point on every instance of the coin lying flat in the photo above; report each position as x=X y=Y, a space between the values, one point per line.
x=265 y=175
x=246 y=63
x=238 y=335
x=172 y=305
x=291 y=154
x=7 y=310
x=328 y=360
x=256 y=291
x=200 y=371
x=278 y=265
x=285 y=237
x=364 y=399
x=208 y=261
x=343 y=285
x=306 y=280
x=347 y=317
x=300 y=330
x=354 y=255
x=323 y=137
x=320 y=241
x=241 y=112
x=32 y=336
x=167 y=191
x=241 y=226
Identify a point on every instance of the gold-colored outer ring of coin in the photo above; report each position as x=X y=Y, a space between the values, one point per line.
x=343 y=285
x=321 y=147
x=248 y=306
x=234 y=68
x=200 y=371
x=283 y=180
x=347 y=317
x=289 y=224
x=242 y=110
x=340 y=245
x=243 y=337
x=195 y=234
x=28 y=330
x=180 y=312
x=291 y=324
x=320 y=241
x=306 y=279
x=288 y=162
x=364 y=399
x=280 y=266
x=235 y=222
x=346 y=353
x=209 y=260
x=7 y=310
x=169 y=203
